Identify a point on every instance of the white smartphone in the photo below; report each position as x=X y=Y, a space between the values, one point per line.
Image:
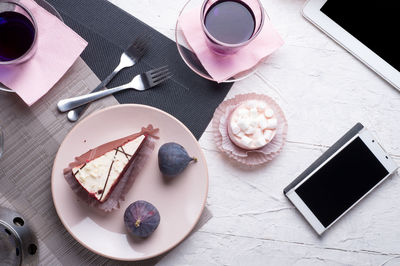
x=340 y=178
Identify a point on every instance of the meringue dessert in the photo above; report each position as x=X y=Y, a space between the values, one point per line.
x=252 y=125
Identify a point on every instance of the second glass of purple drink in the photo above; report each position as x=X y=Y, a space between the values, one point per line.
x=229 y=25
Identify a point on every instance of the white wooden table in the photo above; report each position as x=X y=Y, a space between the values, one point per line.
x=324 y=92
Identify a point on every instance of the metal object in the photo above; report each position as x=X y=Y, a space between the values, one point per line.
x=1 y=142
x=140 y=82
x=18 y=244
x=128 y=59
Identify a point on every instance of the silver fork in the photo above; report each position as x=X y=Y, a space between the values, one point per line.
x=128 y=58
x=140 y=82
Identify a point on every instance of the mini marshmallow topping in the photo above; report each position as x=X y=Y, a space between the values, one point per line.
x=252 y=125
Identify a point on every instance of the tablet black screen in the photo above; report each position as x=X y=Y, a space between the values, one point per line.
x=341 y=182
x=374 y=23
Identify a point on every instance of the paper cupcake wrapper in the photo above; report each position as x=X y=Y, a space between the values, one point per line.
x=245 y=157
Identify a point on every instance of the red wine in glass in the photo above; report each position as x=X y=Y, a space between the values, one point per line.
x=17 y=34
x=230 y=21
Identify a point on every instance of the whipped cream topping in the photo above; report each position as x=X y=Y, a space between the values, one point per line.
x=252 y=125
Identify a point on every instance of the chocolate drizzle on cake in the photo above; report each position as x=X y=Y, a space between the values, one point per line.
x=99 y=171
x=88 y=172
x=108 y=175
x=102 y=149
x=80 y=168
x=119 y=149
x=128 y=156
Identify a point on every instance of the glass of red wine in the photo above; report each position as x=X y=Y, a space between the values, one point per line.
x=231 y=24
x=18 y=33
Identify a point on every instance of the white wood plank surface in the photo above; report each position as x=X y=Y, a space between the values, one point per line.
x=324 y=91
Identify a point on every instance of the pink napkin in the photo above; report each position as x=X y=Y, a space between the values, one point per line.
x=221 y=67
x=57 y=49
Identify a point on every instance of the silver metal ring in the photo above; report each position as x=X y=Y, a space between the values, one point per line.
x=5 y=89
x=18 y=244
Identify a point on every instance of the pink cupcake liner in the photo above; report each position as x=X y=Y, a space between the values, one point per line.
x=245 y=157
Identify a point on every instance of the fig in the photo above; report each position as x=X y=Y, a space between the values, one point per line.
x=173 y=159
x=141 y=218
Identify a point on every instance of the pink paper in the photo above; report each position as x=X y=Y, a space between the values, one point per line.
x=221 y=67
x=57 y=49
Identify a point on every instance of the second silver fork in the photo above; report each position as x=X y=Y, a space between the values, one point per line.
x=140 y=82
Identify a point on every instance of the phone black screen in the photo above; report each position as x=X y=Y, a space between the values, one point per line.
x=341 y=182
x=374 y=23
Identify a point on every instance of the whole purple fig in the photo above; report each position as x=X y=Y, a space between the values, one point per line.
x=141 y=218
x=173 y=159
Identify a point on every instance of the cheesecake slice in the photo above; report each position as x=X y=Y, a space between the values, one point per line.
x=100 y=175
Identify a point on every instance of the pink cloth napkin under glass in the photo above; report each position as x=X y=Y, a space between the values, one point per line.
x=221 y=67
x=57 y=49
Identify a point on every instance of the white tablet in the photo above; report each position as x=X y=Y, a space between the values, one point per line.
x=368 y=29
x=340 y=178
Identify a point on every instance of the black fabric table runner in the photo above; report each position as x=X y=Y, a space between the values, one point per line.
x=109 y=30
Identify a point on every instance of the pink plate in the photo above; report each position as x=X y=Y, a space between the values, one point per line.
x=180 y=202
